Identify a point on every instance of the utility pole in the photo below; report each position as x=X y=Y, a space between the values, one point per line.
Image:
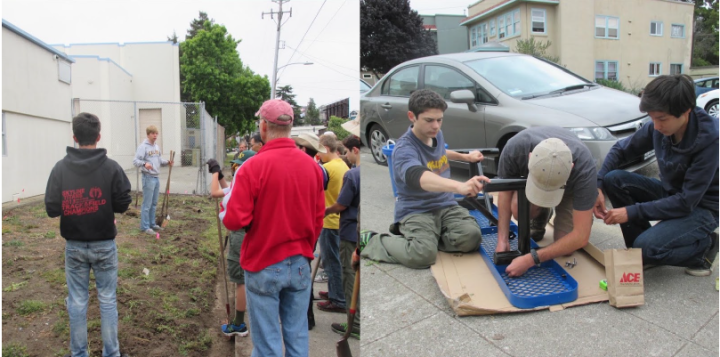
x=277 y=39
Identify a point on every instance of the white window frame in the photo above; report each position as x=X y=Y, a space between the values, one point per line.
x=678 y=25
x=607 y=27
x=605 y=70
x=655 y=69
x=4 y=137
x=492 y=27
x=533 y=20
x=483 y=34
x=658 y=28
x=676 y=64
x=474 y=36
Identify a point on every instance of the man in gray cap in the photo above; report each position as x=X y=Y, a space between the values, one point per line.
x=561 y=174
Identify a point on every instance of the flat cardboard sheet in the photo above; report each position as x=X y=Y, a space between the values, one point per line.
x=471 y=289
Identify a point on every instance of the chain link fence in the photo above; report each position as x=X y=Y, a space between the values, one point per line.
x=185 y=127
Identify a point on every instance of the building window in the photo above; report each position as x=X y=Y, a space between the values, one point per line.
x=677 y=31
x=473 y=37
x=607 y=27
x=675 y=68
x=538 y=20
x=654 y=69
x=501 y=26
x=492 y=27
x=4 y=136
x=656 y=28
x=64 y=71
x=483 y=36
x=606 y=70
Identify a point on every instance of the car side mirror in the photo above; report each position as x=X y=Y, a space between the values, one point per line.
x=464 y=96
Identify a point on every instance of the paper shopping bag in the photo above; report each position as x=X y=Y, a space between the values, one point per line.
x=624 y=271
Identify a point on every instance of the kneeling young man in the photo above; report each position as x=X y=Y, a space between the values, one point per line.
x=685 y=199
x=561 y=174
x=427 y=215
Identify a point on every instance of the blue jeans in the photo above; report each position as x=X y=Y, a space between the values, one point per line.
x=330 y=256
x=279 y=292
x=151 y=192
x=101 y=257
x=679 y=241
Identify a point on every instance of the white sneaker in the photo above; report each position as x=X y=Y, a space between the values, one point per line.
x=157 y=228
x=150 y=231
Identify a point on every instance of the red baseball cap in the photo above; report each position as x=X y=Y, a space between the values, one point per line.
x=272 y=109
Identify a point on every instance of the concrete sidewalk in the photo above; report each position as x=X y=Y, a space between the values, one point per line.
x=405 y=314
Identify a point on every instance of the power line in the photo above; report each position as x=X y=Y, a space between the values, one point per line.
x=306 y=32
x=320 y=62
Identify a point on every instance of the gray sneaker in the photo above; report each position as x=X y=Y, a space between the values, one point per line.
x=150 y=232
x=708 y=258
x=157 y=228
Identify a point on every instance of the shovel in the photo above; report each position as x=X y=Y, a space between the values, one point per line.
x=222 y=260
x=160 y=220
x=342 y=347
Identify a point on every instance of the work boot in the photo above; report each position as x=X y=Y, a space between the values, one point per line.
x=708 y=259
x=538 y=224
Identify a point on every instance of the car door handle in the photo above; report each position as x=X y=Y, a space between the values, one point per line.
x=386 y=106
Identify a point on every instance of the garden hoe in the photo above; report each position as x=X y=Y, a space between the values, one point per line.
x=162 y=220
x=222 y=260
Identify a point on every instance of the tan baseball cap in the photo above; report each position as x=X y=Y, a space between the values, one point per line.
x=549 y=169
x=310 y=140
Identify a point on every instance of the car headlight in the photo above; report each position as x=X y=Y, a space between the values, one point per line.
x=593 y=133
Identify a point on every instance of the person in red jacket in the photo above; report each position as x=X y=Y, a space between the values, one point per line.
x=280 y=202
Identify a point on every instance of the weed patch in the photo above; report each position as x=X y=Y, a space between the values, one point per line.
x=28 y=307
x=14 y=287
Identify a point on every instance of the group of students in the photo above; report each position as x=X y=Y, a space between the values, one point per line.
x=562 y=177
x=281 y=201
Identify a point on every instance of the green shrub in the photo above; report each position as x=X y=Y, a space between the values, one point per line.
x=611 y=84
x=335 y=125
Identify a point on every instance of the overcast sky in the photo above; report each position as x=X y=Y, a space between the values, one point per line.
x=331 y=42
x=447 y=7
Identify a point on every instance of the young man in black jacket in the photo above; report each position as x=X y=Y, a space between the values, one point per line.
x=685 y=199
x=85 y=189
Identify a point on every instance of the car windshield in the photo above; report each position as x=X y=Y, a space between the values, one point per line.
x=364 y=87
x=524 y=76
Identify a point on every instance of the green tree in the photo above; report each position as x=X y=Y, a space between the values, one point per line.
x=705 y=33
x=535 y=48
x=312 y=114
x=391 y=33
x=335 y=125
x=199 y=24
x=212 y=72
x=286 y=93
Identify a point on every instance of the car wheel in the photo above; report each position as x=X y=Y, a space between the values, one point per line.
x=712 y=108
x=377 y=138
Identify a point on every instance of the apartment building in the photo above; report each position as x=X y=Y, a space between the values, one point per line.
x=628 y=41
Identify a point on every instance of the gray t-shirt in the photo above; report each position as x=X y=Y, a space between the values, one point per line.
x=410 y=151
x=582 y=183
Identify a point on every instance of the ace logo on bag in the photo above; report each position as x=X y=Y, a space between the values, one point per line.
x=624 y=271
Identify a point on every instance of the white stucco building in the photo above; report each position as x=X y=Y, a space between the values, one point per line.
x=36 y=112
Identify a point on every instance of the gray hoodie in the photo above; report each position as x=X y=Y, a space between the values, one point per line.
x=147 y=152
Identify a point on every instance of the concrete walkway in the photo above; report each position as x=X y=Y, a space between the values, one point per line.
x=405 y=313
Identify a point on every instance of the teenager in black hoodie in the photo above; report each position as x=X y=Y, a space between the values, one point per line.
x=685 y=199
x=85 y=189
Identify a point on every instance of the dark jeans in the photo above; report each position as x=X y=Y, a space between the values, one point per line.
x=679 y=241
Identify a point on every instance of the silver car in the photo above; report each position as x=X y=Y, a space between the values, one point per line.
x=491 y=96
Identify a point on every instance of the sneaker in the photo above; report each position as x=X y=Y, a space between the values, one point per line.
x=157 y=228
x=150 y=232
x=230 y=330
x=538 y=224
x=329 y=306
x=341 y=328
x=323 y=295
x=321 y=277
x=365 y=236
x=708 y=259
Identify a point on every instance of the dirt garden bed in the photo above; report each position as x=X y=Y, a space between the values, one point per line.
x=173 y=310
